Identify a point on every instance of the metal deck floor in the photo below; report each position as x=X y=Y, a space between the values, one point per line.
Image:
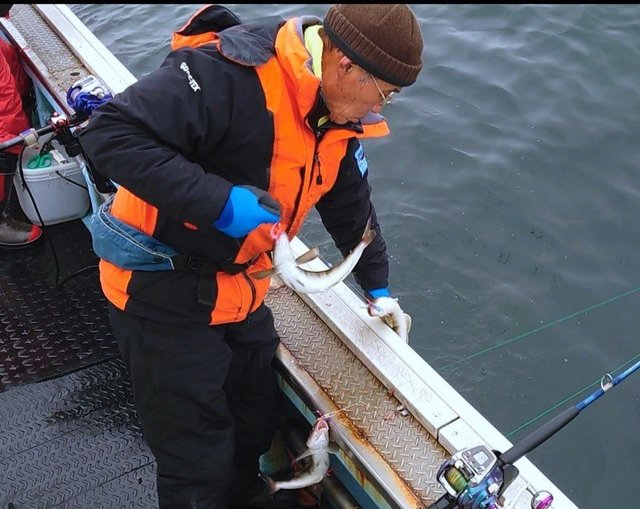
x=46 y=331
x=74 y=441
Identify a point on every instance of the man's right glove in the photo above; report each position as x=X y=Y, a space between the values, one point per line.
x=247 y=208
x=387 y=308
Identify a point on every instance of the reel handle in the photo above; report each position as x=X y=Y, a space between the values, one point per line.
x=540 y=499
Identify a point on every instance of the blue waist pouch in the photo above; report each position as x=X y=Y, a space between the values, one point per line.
x=125 y=246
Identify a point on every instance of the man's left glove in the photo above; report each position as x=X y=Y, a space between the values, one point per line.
x=383 y=305
x=246 y=208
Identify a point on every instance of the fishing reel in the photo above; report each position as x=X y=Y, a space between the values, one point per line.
x=476 y=478
x=86 y=94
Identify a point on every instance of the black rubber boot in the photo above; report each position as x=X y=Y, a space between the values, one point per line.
x=15 y=234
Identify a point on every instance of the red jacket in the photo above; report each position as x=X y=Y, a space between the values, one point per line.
x=13 y=84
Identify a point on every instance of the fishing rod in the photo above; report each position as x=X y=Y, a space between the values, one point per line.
x=84 y=96
x=58 y=123
x=28 y=137
x=476 y=477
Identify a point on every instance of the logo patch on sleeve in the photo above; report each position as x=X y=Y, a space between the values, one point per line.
x=361 y=160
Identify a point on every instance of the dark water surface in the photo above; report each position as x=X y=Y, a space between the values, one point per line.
x=509 y=198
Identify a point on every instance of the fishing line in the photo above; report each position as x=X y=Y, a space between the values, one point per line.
x=538 y=329
x=595 y=382
x=45 y=229
x=328 y=414
x=71 y=181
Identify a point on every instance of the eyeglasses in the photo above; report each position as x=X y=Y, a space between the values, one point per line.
x=385 y=99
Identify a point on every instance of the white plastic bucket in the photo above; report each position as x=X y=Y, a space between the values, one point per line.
x=59 y=190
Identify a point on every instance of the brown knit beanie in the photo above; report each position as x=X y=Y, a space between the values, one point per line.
x=384 y=39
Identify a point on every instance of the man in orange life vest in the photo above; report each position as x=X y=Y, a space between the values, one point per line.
x=14 y=84
x=243 y=125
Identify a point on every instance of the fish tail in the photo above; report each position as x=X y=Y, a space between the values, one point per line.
x=369 y=234
x=271 y=484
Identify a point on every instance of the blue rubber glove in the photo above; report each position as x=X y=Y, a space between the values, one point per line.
x=379 y=292
x=247 y=207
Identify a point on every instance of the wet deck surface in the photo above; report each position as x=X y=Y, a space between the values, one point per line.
x=69 y=436
x=48 y=330
x=74 y=442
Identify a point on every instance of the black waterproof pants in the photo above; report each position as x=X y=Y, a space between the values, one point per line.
x=207 y=400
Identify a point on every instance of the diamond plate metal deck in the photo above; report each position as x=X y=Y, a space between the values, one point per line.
x=48 y=330
x=401 y=440
x=63 y=67
x=74 y=442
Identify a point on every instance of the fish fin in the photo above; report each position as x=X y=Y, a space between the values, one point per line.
x=312 y=254
x=333 y=448
x=407 y=317
x=261 y=274
x=369 y=238
x=305 y=454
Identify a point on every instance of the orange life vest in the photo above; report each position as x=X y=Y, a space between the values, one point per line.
x=290 y=90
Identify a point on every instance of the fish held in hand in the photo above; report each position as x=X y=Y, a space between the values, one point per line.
x=305 y=281
x=389 y=310
x=318 y=449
